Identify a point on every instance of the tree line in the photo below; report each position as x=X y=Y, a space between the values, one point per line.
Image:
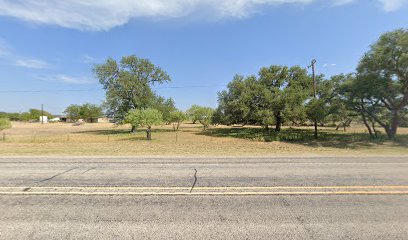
x=130 y=98
x=31 y=115
x=376 y=94
x=88 y=112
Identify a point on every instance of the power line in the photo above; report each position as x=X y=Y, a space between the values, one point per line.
x=43 y=91
x=96 y=90
x=197 y=86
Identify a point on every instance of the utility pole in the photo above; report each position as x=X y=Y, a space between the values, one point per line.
x=42 y=114
x=314 y=93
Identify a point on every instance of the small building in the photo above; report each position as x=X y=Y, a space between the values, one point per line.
x=54 y=120
x=104 y=120
x=43 y=119
x=87 y=120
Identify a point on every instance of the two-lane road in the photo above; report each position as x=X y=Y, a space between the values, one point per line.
x=228 y=198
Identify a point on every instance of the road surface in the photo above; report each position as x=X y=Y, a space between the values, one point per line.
x=226 y=198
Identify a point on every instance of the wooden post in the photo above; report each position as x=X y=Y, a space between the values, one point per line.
x=314 y=93
x=42 y=114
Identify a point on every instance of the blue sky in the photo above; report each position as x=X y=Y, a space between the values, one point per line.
x=51 y=46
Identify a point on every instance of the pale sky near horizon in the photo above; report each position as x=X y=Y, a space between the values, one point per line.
x=48 y=48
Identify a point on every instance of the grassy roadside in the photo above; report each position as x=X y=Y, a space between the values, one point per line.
x=108 y=140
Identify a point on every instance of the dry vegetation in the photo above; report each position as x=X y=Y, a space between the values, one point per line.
x=109 y=140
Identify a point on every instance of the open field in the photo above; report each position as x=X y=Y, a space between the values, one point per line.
x=108 y=139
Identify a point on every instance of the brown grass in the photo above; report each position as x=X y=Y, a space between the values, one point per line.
x=108 y=140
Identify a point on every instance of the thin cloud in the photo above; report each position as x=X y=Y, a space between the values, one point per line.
x=107 y=14
x=32 y=63
x=342 y=2
x=67 y=79
x=4 y=48
x=87 y=59
x=103 y=15
x=393 y=5
x=7 y=54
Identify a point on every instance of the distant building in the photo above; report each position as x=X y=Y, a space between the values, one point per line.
x=88 y=120
x=56 y=119
x=43 y=119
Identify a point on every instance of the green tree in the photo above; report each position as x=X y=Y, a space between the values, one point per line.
x=328 y=104
x=11 y=116
x=73 y=112
x=338 y=112
x=277 y=95
x=34 y=115
x=288 y=89
x=4 y=123
x=166 y=107
x=90 y=112
x=144 y=118
x=380 y=90
x=316 y=110
x=204 y=115
x=234 y=103
x=219 y=117
x=193 y=114
x=128 y=84
x=176 y=118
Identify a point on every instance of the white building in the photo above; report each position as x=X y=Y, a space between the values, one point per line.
x=44 y=119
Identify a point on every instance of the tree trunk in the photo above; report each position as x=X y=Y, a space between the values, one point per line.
x=133 y=130
x=373 y=128
x=347 y=124
x=367 y=126
x=149 y=133
x=391 y=132
x=315 y=130
x=278 y=122
x=394 y=125
x=338 y=126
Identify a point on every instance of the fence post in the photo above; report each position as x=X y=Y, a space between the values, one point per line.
x=4 y=136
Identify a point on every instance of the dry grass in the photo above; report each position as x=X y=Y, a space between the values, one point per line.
x=108 y=140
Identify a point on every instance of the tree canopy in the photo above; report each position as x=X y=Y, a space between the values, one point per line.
x=176 y=118
x=128 y=84
x=204 y=116
x=379 y=92
x=144 y=118
x=73 y=112
x=193 y=114
x=4 y=123
x=275 y=96
x=88 y=112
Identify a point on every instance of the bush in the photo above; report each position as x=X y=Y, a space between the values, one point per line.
x=4 y=123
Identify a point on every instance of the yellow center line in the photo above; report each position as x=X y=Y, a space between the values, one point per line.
x=205 y=188
x=209 y=193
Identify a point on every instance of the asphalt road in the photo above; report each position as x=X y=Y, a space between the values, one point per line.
x=232 y=198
